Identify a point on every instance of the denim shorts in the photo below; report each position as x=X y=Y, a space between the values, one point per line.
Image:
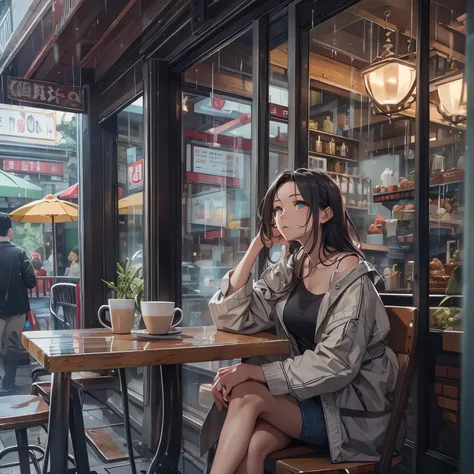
x=314 y=424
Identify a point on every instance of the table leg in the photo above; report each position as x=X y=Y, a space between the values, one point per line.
x=58 y=422
x=169 y=447
x=126 y=419
x=78 y=434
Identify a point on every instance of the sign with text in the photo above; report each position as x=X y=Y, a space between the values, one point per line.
x=48 y=94
x=33 y=167
x=217 y=162
x=135 y=175
x=21 y=123
x=279 y=111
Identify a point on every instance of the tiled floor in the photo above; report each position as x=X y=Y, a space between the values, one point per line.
x=96 y=415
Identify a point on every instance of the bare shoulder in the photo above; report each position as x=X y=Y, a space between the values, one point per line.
x=346 y=262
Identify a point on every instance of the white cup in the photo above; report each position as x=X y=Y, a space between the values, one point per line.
x=121 y=315
x=158 y=316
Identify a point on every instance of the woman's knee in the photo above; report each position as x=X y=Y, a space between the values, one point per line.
x=250 y=393
x=265 y=440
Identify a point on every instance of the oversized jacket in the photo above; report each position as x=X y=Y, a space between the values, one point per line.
x=351 y=369
x=17 y=276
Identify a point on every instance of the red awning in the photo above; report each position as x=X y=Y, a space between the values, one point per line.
x=73 y=192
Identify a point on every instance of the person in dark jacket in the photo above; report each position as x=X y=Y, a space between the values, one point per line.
x=17 y=276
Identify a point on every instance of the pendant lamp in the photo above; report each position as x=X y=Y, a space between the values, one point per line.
x=452 y=93
x=390 y=81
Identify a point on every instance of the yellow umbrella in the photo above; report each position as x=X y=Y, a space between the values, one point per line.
x=50 y=209
x=132 y=204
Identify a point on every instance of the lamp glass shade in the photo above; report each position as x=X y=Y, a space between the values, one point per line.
x=452 y=98
x=390 y=82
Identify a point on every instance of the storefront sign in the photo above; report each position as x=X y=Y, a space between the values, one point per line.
x=34 y=167
x=135 y=175
x=217 y=162
x=209 y=209
x=47 y=93
x=21 y=123
x=279 y=111
x=218 y=103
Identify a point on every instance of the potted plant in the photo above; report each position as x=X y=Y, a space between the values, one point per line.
x=128 y=286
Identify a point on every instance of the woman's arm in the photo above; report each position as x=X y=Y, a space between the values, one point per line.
x=242 y=305
x=242 y=272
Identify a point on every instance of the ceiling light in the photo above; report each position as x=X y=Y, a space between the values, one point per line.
x=452 y=93
x=390 y=81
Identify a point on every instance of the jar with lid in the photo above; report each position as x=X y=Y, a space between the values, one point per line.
x=328 y=126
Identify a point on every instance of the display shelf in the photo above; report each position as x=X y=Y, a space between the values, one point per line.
x=316 y=131
x=448 y=177
x=394 y=196
x=332 y=157
x=374 y=247
x=345 y=175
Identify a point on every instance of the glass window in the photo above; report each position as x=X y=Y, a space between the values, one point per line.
x=216 y=206
x=368 y=149
x=447 y=144
x=363 y=131
x=130 y=183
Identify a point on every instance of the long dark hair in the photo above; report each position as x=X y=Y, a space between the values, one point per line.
x=319 y=190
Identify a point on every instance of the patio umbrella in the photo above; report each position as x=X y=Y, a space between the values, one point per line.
x=132 y=204
x=12 y=186
x=73 y=192
x=50 y=209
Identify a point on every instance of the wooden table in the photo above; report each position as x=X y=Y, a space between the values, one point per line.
x=63 y=352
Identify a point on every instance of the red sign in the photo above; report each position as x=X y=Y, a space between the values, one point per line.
x=34 y=167
x=218 y=103
x=47 y=93
x=279 y=111
x=135 y=175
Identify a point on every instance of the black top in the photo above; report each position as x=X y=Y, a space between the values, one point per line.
x=17 y=276
x=300 y=316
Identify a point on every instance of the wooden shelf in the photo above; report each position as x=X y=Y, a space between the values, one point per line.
x=333 y=135
x=332 y=157
x=394 y=196
x=344 y=175
x=375 y=248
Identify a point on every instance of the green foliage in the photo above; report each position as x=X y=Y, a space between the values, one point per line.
x=68 y=129
x=28 y=236
x=128 y=284
x=447 y=316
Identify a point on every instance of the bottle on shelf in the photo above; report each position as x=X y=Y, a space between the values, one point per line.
x=332 y=147
x=319 y=145
x=337 y=167
x=328 y=126
x=343 y=150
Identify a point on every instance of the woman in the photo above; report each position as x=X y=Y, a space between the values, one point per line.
x=74 y=270
x=336 y=387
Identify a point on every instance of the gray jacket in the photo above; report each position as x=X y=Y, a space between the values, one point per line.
x=351 y=369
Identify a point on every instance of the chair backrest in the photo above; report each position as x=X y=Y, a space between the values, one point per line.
x=63 y=306
x=401 y=340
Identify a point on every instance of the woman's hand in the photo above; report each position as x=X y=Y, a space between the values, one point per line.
x=228 y=377
x=277 y=239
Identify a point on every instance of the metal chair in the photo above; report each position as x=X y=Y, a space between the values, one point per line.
x=63 y=306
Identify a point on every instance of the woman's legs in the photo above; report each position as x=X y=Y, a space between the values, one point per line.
x=266 y=439
x=250 y=401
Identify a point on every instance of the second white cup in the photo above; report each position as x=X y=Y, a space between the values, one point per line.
x=159 y=316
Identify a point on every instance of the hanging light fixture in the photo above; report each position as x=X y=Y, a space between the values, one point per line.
x=390 y=81
x=452 y=93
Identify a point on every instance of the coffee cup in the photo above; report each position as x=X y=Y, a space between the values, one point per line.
x=121 y=315
x=159 y=316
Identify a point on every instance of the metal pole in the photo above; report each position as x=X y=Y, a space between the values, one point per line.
x=55 y=255
x=467 y=394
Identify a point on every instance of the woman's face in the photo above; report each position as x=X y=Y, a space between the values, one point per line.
x=293 y=216
x=72 y=257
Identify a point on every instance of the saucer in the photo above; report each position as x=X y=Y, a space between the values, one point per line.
x=144 y=334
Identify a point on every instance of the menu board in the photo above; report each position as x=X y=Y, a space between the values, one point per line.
x=217 y=162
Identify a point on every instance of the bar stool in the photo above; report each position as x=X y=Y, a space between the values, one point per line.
x=20 y=412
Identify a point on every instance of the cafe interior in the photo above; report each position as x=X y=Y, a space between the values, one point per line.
x=373 y=93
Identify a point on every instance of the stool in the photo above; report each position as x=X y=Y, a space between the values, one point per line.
x=20 y=412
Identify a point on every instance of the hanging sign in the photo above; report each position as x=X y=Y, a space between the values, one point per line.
x=135 y=175
x=48 y=94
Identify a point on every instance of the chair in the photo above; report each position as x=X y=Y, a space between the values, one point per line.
x=306 y=459
x=63 y=306
x=19 y=413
